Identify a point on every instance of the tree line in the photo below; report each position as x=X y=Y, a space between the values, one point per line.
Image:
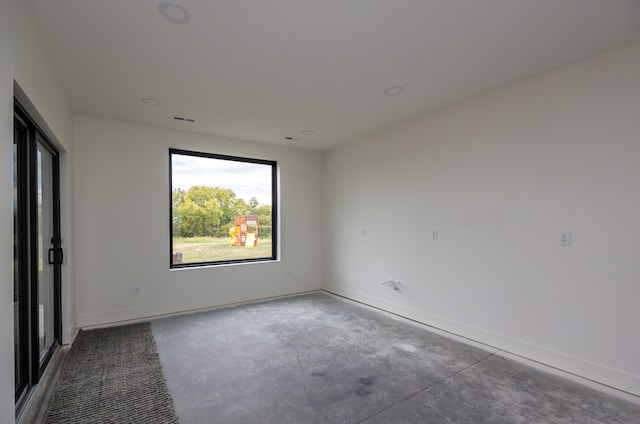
x=210 y=211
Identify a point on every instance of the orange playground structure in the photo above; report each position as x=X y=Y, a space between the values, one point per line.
x=244 y=231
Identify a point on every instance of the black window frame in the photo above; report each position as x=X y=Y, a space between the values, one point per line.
x=274 y=208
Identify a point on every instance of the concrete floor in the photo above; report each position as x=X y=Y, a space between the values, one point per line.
x=320 y=359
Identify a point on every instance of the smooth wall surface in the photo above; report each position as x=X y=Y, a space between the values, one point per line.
x=500 y=178
x=6 y=216
x=122 y=225
x=24 y=61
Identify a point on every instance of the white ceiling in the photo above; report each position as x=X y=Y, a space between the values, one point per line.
x=263 y=70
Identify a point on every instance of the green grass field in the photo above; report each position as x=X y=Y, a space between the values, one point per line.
x=210 y=249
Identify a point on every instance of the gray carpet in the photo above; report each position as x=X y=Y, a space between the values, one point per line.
x=112 y=375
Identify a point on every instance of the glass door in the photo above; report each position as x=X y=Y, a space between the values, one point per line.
x=37 y=252
x=20 y=301
x=47 y=249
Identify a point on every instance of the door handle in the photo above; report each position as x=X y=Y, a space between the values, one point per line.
x=56 y=256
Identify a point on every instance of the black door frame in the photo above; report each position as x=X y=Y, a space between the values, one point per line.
x=32 y=363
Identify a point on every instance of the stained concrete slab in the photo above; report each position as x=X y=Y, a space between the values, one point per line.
x=319 y=359
x=498 y=390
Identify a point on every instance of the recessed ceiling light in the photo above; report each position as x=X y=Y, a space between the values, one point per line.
x=307 y=132
x=151 y=101
x=174 y=12
x=393 y=91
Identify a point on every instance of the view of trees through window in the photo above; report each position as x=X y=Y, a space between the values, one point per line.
x=222 y=209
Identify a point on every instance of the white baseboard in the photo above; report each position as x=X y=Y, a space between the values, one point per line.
x=598 y=376
x=132 y=316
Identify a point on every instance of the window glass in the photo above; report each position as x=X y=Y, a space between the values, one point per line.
x=222 y=209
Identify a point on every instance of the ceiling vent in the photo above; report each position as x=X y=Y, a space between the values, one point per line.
x=183 y=119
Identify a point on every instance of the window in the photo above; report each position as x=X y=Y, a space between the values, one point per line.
x=223 y=209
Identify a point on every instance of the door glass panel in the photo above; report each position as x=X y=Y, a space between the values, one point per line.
x=46 y=335
x=16 y=287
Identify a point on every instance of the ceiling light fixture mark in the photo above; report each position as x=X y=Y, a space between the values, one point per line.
x=394 y=91
x=151 y=101
x=174 y=12
x=307 y=132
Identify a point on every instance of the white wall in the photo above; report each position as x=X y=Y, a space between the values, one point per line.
x=122 y=225
x=500 y=177
x=6 y=217
x=23 y=60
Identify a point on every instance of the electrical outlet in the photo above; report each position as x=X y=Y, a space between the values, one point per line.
x=565 y=239
x=136 y=290
x=434 y=235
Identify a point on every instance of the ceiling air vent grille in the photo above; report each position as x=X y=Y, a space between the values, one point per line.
x=183 y=119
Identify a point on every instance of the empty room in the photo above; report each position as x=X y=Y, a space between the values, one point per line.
x=336 y=211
